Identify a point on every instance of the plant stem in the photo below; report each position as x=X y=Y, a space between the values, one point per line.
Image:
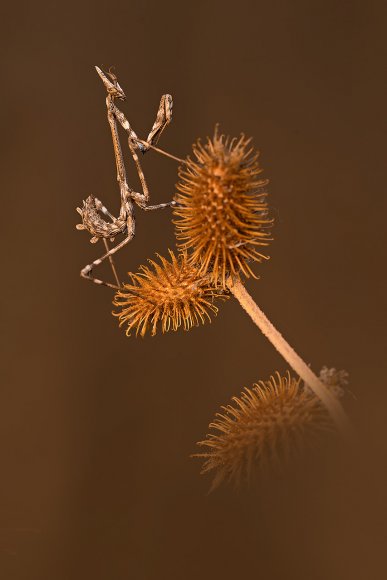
x=332 y=404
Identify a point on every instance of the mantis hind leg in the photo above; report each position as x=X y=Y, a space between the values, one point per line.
x=87 y=270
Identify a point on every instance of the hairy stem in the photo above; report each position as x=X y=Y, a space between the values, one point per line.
x=332 y=404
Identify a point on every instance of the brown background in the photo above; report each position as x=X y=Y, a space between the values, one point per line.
x=96 y=429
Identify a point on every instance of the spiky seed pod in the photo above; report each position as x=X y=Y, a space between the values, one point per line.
x=266 y=426
x=221 y=208
x=337 y=381
x=171 y=295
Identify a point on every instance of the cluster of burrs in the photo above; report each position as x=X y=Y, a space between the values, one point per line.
x=221 y=221
x=222 y=226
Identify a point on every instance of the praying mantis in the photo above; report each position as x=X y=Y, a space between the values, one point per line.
x=96 y=218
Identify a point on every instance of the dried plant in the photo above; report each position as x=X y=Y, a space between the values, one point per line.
x=171 y=295
x=224 y=243
x=222 y=223
x=265 y=427
x=221 y=208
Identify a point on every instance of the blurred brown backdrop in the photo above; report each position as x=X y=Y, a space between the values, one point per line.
x=96 y=428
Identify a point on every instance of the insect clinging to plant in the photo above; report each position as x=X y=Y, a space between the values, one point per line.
x=222 y=222
x=93 y=211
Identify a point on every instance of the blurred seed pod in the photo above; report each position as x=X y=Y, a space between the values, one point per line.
x=170 y=295
x=337 y=381
x=222 y=213
x=263 y=429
